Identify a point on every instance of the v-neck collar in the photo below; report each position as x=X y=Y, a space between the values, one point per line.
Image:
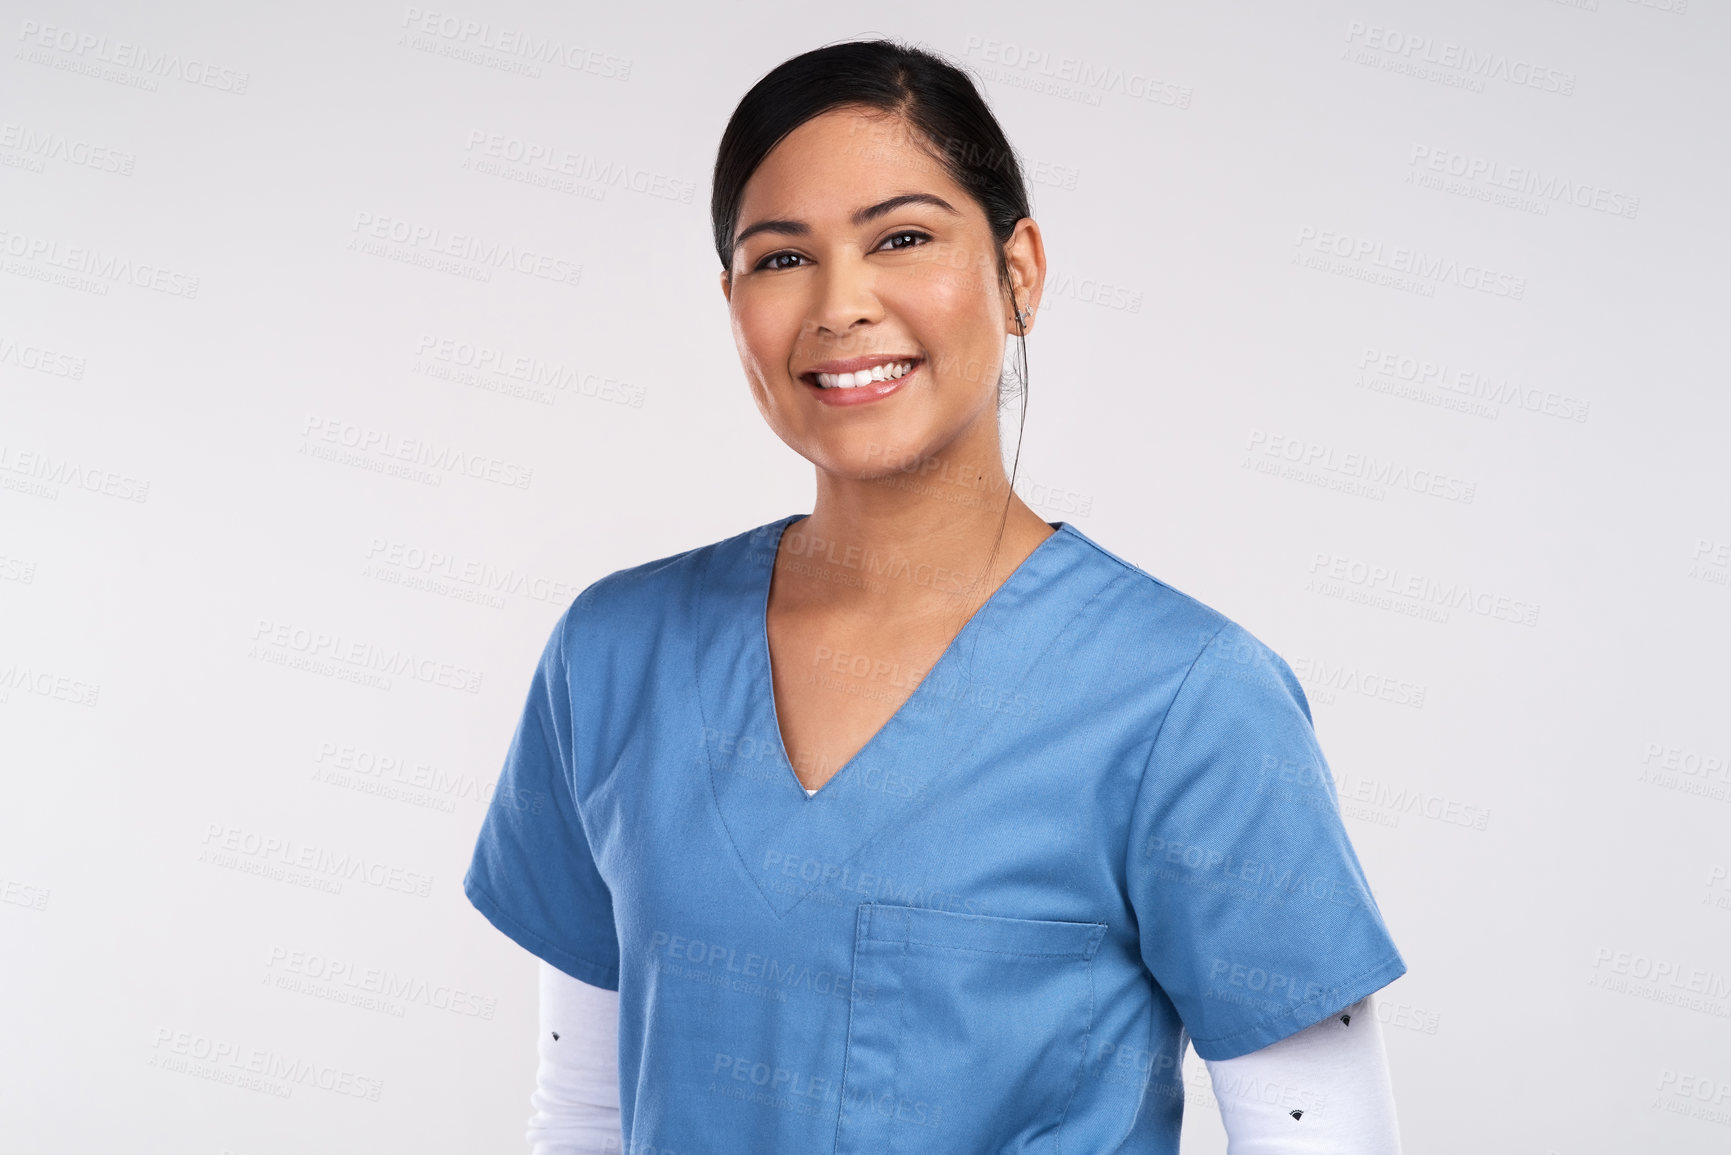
x=760 y=800
x=765 y=672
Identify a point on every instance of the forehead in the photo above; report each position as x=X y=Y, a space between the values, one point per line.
x=842 y=160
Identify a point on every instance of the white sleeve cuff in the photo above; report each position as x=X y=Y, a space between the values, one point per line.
x=1323 y=1091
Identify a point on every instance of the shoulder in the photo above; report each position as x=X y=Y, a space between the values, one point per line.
x=661 y=592
x=1180 y=633
x=1155 y=610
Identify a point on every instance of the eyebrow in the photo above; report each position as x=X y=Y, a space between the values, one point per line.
x=863 y=216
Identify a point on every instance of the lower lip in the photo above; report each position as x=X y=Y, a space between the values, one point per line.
x=863 y=394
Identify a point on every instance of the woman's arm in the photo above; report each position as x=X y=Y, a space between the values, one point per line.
x=576 y=1096
x=1323 y=1091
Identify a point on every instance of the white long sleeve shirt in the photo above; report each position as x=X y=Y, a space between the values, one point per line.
x=576 y=1096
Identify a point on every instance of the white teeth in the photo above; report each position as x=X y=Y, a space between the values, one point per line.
x=864 y=376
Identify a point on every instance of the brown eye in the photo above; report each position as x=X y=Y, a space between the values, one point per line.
x=765 y=263
x=922 y=238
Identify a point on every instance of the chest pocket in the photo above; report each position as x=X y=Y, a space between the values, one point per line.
x=973 y=1036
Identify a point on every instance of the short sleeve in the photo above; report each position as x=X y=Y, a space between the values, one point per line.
x=533 y=875
x=1254 y=916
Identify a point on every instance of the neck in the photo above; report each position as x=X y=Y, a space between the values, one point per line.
x=901 y=543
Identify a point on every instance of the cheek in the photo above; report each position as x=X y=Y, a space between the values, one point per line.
x=765 y=339
x=950 y=285
x=953 y=321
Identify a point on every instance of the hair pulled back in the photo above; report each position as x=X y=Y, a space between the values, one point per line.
x=935 y=98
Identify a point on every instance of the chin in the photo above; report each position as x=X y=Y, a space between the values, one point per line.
x=864 y=456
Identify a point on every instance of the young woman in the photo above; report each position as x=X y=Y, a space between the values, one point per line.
x=918 y=823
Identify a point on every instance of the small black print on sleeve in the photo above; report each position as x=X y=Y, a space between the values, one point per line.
x=1296 y=1114
x=555 y=1036
x=1346 y=1020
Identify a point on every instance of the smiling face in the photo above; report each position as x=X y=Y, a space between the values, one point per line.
x=855 y=251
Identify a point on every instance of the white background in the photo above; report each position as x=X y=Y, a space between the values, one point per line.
x=1522 y=696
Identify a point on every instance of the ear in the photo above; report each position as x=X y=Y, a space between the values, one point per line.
x=1025 y=256
x=726 y=285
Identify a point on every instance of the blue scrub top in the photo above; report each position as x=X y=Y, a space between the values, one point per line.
x=1099 y=829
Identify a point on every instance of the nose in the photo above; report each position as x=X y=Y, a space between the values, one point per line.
x=846 y=295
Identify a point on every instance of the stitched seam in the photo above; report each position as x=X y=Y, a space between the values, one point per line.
x=1148 y=1079
x=571 y=755
x=863 y=911
x=498 y=911
x=1164 y=718
x=1132 y=568
x=1079 y=953
x=1135 y=807
x=700 y=617
x=1142 y=785
x=1081 y=1061
x=901 y=1035
x=1263 y=1022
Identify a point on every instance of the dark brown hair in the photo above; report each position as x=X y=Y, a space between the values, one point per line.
x=935 y=97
